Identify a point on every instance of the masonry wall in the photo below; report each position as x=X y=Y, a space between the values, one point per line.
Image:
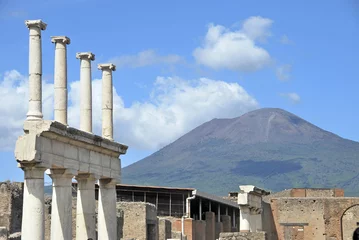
x=11 y=195
x=164 y=229
x=137 y=218
x=315 y=218
x=243 y=236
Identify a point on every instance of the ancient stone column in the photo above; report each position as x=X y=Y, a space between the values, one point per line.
x=60 y=78
x=35 y=69
x=33 y=222
x=86 y=90
x=61 y=206
x=107 y=219
x=86 y=206
x=244 y=218
x=107 y=100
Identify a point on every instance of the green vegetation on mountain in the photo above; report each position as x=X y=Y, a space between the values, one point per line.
x=269 y=148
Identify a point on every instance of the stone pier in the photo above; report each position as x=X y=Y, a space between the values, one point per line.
x=65 y=152
x=33 y=222
x=86 y=206
x=61 y=207
x=250 y=208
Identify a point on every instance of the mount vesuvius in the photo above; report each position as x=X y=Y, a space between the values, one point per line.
x=270 y=148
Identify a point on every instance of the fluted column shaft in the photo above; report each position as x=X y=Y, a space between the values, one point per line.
x=60 y=78
x=86 y=90
x=107 y=100
x=35 y=69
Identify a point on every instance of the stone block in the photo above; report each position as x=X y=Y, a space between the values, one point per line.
x=115 y=174
x=70 y=163
x=106 y=172
x=96 y=169
x=84 y=167
x=84 y=155
x=105 y=161
x=95 y=158
x=46 y=145
x=71 y=152
x=56 y=160
x=115 y=163
x=58 y=148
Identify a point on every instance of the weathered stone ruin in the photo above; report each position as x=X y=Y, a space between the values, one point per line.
x=102 y=208
x=66 y=153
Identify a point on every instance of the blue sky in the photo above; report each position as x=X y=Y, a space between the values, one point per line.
x=181 y=63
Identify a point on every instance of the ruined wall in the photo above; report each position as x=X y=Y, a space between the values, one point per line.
x=349 y=222
x=138 y=219
x=243 y=236
x=315 y=218
x=164 y=229
x=268 y=224
x=11 y=195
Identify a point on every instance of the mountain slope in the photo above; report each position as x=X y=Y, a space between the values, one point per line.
x=270 y=148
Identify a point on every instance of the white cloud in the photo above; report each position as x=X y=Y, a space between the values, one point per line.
x=176 y=106
x=293 y=97
x=145 y=58
x=257 y=28
x=235 y=50
x=283 y=72
x=285 y=40
x=14 y=106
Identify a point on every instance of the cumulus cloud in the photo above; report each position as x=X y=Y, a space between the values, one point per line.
x=293 y=97
x=145 y=58
x=176 y=106
x=257 y=28
x=238 y=49
x=283 y=72
x=14 y=106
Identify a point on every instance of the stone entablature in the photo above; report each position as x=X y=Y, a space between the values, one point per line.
x=50 y=144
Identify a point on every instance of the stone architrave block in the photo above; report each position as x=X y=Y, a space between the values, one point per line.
x=106 y=161
x=72 y=164
x=84 y=155
x=106 y=171
x=96 y=169
x=58 y=148
x=115 y=164
x=84 y=167
x=71 y=152
x=95 y=158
